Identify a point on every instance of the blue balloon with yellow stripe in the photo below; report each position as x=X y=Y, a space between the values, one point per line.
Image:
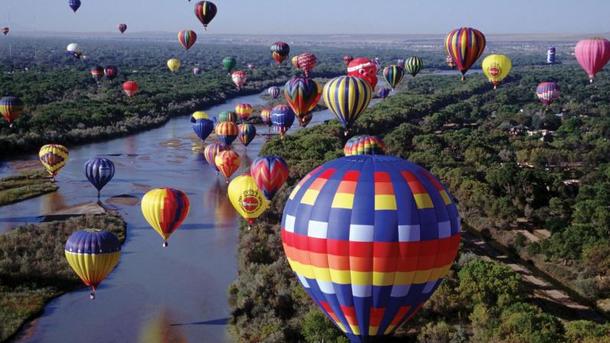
x=347 y=97
x=370 y=238
x=92 y=254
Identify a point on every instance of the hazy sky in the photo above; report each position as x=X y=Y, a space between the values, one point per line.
x=314 y=16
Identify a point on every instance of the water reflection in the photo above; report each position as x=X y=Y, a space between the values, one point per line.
x=159 y=329
x=216 y=196
x=52 y=202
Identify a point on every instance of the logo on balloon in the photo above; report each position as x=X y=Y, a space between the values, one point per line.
x=250 y=201
x=495 y=71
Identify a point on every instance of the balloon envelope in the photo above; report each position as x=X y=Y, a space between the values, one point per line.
x=465 y=45
x=363 y=68
x=364 y=145
x=347 y=97
x=270 y=173
x=99 y=171
x=11 y=107
x=496 y=68
x=247 y=198
x=592 y=55
x=547 y=92
x=165 y=209
x=53 y=157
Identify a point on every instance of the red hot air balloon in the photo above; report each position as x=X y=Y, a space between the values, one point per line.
x=465 y=45
x=187 y=38
x=270 y=173
x=122 y=28
x=306 y=62
x=363 y=68
x=205 y=11
x=592 y=55
x=130 y=88
x=111 y=72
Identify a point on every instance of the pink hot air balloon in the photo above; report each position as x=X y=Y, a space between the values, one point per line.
x=592 y=55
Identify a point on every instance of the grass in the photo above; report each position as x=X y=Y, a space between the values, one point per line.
x=28 y=184
x=33 y=269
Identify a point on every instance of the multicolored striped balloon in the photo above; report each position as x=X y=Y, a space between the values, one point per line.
x=274 y=92
x=347 y=97
x=465 y=45
x=282 y=118
x=413 y=65
x=227 y=116
x=99 y=171
x=592 y=55
x=92 y=254
x=211 y=151
x=306 y=62
x=302 y=95
x=227 y=162
x=370 y=238
x=266 y=116
x=393 y=75
x=364 y=145
x=270 y=173
x=547 y=92
x=244 y=111
x=11 y=107
x=280 y=51
x=227 y=132
x=165 y=209
x=247 y=132
x=205 y=11
x=53 y=157
x=187 y=38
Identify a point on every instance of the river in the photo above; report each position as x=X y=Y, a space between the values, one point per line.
x=156 y=294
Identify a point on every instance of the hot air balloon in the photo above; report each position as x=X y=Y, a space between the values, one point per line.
x=11 y=108
x=165 y=209
x=393 y=75
x=282 y=118
x=227 y=132
x=547 y=92
x=592 y=55
x=187 y=38
x=370 y=238
x=266 y=116
x=130 y=88
x=247 y=198
x=302 y=94
x=97 y=73
x=5 y=30
x=227 y=116
x=347 y=97
x=239 y=78
x=465 y=45
x=244 y=111
x=74 y=5
x=450 y=62
x=196 y=71
x=384 y=92
x=202 y=125
x=111 y=72
x=99 y=171
x=73 y=50
x=295 y=61
x=229 y=63
x=279 y=51
x=173 y=64
x=53 y=157
x=227 y=163
x=413 y=65
x=305 y=119
x=205 y=12
x=274 y=92
x=247 y=132
x=365 y=69
x=347 y=59
x=364 y=145
x=122 y=28
x=270 y=173
x=211 y=151
x=306 y=62
x=400 y=62
x=550 y=55
x=92 y=254
x=496 y=68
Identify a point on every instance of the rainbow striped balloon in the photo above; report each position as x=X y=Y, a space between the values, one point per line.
x=364 y=145
x=393 y=75
x=465 y=45
x=187 y=38
x=247 y=132
x=227 y=132
x=370 y=238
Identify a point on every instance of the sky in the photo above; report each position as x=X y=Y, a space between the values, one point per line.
x=314 y=16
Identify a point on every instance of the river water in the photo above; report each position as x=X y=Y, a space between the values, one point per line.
x=156 y=294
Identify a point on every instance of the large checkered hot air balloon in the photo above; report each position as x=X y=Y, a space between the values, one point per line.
x=465 y=45
x=370 y=239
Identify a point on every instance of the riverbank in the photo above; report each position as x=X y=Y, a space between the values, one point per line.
x=33 y=269
x=26 y=185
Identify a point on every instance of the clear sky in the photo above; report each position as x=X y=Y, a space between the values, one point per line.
x=314 y=16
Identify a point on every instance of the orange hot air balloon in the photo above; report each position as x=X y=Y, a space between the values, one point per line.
x=227 y=162
x=244 y=111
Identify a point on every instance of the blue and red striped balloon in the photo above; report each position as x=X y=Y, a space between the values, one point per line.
x=270 y=173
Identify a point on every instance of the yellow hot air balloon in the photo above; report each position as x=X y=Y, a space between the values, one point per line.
x=165 y=209
x=199 y=115
x=53 y=157
x=496 y=68
x=247 y=199
x=173 y=64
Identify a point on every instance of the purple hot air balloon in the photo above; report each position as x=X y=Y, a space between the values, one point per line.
x=74 y=5
x=384 y=92
x=282 y=117
x=547 y=92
